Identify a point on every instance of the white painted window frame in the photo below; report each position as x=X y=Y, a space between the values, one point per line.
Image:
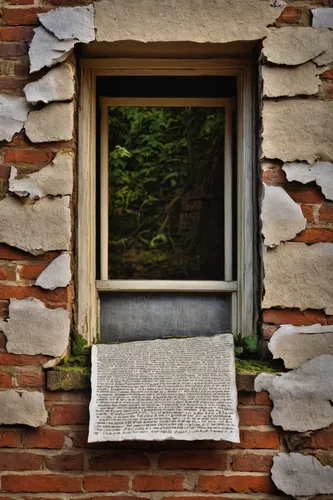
x=242 y=290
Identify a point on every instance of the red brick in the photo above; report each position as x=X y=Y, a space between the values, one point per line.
x=107 y=497
x=201 y=497
x=7 y=83
x=116 y=482
x=31 y=379
x=119 y=461
x=13 y=49
x=250 y=439
x=65 y=462
x=11 y=253
x=22 y=359
x=10 y=439
x=31 y=271
x=246 y=398
x=44 y=438
x=193 y=460
x=273 y=174
x=147 y=482
x=268 y=331
x=326 y=212
x=5 y=380
x=4 y=172
x=21 y=70
x=307 y=212
x=7 y=273
x=322 y=439
x=327 y=74
x=23 y=292
x=289 y=15
x=254 y=416
x=16 y=34
x=303 y=193
x=3 y=339
x=40 y=483
x=10 y=461
x=294 y=317
x=262 y=398
x=20 y=2
x=252 y=462
x=315 y=235
x=232 y=484
x=67 y=414
x=18 y=17
x=80 y=439
x=27 y=156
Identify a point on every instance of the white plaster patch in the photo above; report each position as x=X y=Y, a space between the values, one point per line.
x=299 y=275
x=36 y=228
x=33 y=329
x=302 y=397
x=188 y=20
x=296 y=344
x=54 y=122
x=13 y=114
x=322 y=18
x=292 y=45
x=301 y=476
x=22 y=407
x=282 y=218
x=47 y=50
x=298 y=129
x=320 y=172
x=53 y=180
x=56 y=85
x=71 y=23
x=291 y=81
x=57 y=274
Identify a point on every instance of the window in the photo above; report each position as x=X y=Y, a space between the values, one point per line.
x=184 y=243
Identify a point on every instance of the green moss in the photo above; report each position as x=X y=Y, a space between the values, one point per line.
x=255 y=367
x=73 y=368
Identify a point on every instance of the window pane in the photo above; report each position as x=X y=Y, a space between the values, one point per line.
x=145 y=316
x=166 y=193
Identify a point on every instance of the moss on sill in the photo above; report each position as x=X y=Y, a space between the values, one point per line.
x=255 y=367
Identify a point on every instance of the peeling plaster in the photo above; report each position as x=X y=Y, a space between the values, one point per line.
x=296 y=344
x=22 y=407
x=326 y=57
x=300 y=276
x=56 y=85
x=70 y=23
x=13 y=114
x=292 y=45
x=282 y=218
x=34 y=329
x=296 y=129
x=53 y=180
x=47 y=50
x=320 y=172
x=57 y=274
x=302 y=397
x=322 y=18
x=54 y=122
x=301 y=476
x=36 y=228
x=291 y=81
x=190 y=20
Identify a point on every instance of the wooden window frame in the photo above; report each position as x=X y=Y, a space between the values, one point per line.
x=243 y=312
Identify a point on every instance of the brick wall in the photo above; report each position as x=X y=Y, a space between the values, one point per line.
x=55 y=461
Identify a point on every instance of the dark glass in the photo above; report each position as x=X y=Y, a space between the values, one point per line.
x=166 y=193
x=144 y=316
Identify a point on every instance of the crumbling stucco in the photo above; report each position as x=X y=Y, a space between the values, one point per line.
x=296 y=344
x=56 y=85
x=13 y=114
x=33 y=329
x=35 y=228
x=282 y=218
x=301 y=476
x=299 y=275
x=326 y=57
x=302 y=397
x=54 y=122
x=292 y=45
x=57 y=274
x=47 y=50
x=322 y=18
x=320 y=172
x=291 y=81
x=192 y=20
x=53 y=180
x=298 y=129
x=22 y=407
x=71 y=23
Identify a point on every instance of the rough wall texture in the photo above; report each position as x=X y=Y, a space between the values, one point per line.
x=55 y=460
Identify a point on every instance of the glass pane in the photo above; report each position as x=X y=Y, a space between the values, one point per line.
x=145 y=316
x=166 y=193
